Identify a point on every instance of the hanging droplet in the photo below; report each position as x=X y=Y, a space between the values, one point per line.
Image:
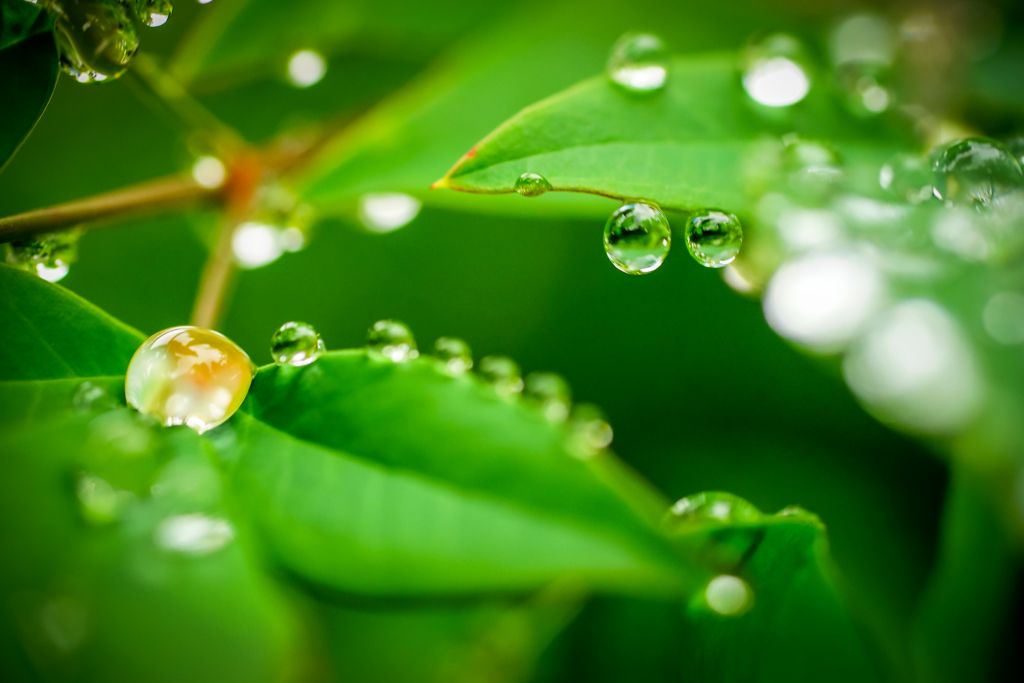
x=638 y=63
x=188 y=376
x=775 y=75
x=637 y=238
x=714 y=505
x=153 y=13
x=909 y=178
x=95 y=39
x=551 y=393
x=591 y=432
x=714 y=238
x=532 y=185
x=391 y=340
x=503 y=374
x=454 y=355
x=48 y=256
x=296 y=344
x=729 y=595
x=977 y=172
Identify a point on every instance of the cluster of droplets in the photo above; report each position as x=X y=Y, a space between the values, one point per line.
x=96 y=39
x=49 y=256
x=588 y=431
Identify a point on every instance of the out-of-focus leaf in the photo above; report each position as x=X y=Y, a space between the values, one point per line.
x=797 y=625
x=49 y=333
x=968 y=601
x=410 y=140
x=28 y=62
x=127 y=578
x=684 y=148
x=259 y=35
x=397 y=479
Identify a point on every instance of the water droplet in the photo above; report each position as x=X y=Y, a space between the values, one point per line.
x=455 y=356
x=797 y=512
x=194 y=534
x=503 y=374
x=714 y=238
x=637 y=238
x=915 y=367
x=977 y=172
x=1004 y=318
x=209 y=172
x=49 y=256
x=715 y=505
x=532 y=185
x=774 y=75
x=306 y=68
x=551 y=393
x=391 y=340
x=153 y=13
x=814 y=171
x=296 y=344
x=188 y=376
x=728 y=595
x=95 y=39
x=823 y=299
x=100 y=502
x=638 y=63
x=256 y=245
x=89 y=397
x=387 y=211
x=591 y=432
x=908 y=177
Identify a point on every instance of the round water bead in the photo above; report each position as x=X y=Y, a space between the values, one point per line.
x=454 y=355
x=296 y=344
x=977 y=172
x=188 y=376
x=503 y=374
x=153 y=13
x=908 y=177
x=391 y=340
x=532 y=185
x=591 y=432
x=728 y=595
x=814 y=170
x=774 y=75
x=638 y=63
x=95 y=39
x=714 y=238
x=637 y=238
x=48 y=256
x=551 y=393
x=715 y=505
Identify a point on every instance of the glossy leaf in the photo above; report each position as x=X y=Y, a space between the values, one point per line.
x=684 y=148
x=396 y=479
x=51 y=333
x=28 y=60
x=411 y=139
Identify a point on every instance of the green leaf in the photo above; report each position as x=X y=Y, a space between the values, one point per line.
x=28 y=60
x=109 y=583
x=798 y=626
x=50 y=333
x=374 y=477
x=684 y=148
x=410 y=140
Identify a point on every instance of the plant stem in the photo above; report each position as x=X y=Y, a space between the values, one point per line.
x=163 y=194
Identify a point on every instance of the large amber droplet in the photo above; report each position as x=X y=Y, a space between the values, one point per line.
x=188 y=376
